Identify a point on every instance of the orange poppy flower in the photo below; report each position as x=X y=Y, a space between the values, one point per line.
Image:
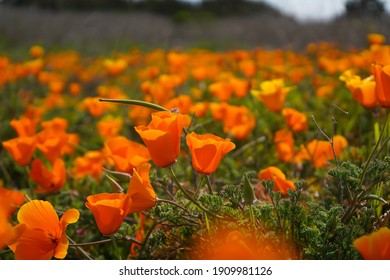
x=162 y=136
x=272 y=93
x=109 y=127
x=284 y=142
x=36 y=51
x=24 y=126
x=276 y=175
x=6 y=231
x=238 y=121
x=49 y=180
x=295 y=120
x=40 y=234
x=12 y=199
x=140 y=190
x=222 y=90
x=115 y=66
x=91 y=163
x=109 y=210
x=21 y=149
x=363 y=91
x=207 y=151
x=52 y=142
x=382 y=89
x=320 y=152
x=374 y=246
x=376 y=39
x=126 y=154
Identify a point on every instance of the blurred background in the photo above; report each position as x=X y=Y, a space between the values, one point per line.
x=98 y=25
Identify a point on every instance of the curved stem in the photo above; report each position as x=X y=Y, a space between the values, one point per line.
x=189 y=197
x=135 y=102
x=173 y=203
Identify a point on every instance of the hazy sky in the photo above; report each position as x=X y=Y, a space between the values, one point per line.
x=309 y=9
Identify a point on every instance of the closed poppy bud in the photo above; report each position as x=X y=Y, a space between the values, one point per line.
x=40 y=234
x=162 y=136
x=109 y=210
x=21 y=149
x=140 y=190
x=375 y=246
x=248 y=194
x=382 y=88
x=274 y=174
x=207 y=151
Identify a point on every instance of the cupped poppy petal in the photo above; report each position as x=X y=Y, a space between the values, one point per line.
x=164 y=147
x=62 y=248
x=109 y=210
x=207 y=151
x=39 y=214
x=140 y=190
x=32 y=244
x=70 y=216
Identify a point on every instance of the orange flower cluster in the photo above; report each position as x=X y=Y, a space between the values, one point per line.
x=110 y=209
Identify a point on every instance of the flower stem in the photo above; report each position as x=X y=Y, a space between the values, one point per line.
x=209 y=185
x=189 y=197
x=135 y=102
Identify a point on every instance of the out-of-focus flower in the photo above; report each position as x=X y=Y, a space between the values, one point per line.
x=126 y=154
x=376 y=39
x=277 y=176
x=109 y=210
x=115 y=66
x=272 y=93
x=284 y=142
x=24 y=126
x=295 y=120
x=239 y=245
x=49 y=180
x=110 y=127
x=11 y=199
x=320 y=152
x=207 y=151
x=40 y=234
x=36 y=51
x=162 y=136
x=374 y=246
x=21 y=149
x=363 y=91
x=382 y=89
x=91 y=163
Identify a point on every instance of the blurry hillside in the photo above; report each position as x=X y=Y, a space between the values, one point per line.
x=222 y=24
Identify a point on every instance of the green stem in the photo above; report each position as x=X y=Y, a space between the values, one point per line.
x=349 y=212
x=371 y=156
x=79 y=248
x=173 y=203
x=135 y=102
x=209 y=185
x=189 y=197
x=103 y=241
x=252 y=215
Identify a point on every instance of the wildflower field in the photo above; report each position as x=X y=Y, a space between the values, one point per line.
x=196 y=154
